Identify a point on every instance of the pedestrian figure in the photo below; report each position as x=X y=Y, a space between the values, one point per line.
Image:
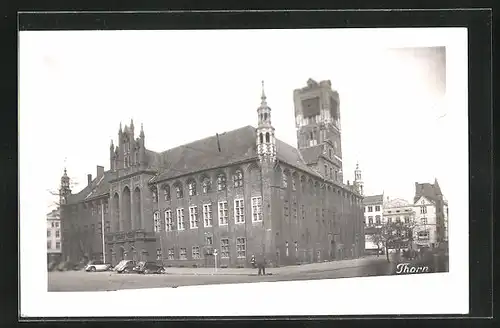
x=261 y=265
x=252 y=261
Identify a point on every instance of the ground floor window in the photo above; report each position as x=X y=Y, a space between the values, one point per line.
x=224 y=248
x=183 y=254
x=241 y=247
x=171 y=254
x=196 y=252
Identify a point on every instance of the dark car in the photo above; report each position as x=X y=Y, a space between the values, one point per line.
x=149 y=267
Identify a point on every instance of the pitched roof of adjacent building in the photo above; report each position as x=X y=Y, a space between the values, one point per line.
x=428 y=190
x=312 y=154
x=373 y=199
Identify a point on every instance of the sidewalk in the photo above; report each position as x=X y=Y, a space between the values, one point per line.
x=312 y=267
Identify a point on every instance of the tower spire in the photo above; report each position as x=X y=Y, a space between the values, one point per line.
x=266 y=142
x=142 y=131
x=263 y=96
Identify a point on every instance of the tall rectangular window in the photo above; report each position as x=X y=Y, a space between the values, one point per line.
x=196 y=252
x=169 y=223
x=239 y=211
x=424 y=220
x=58 y=244
x=423 y=210
x=171 y=254
x=193 y=217
x=48 y=233
x=256 y=209
x=207 y=215
x=224 y=248
x=180 y=219
x=370 y=220
x=370 y=208
x=241 y=247
x=157 y=222
x=107 y=227
x=377 y=208
x=49 y=244
x=58 y=234
x=286 y=209
x=182 y=254
x=377 y=219
x=223 y=213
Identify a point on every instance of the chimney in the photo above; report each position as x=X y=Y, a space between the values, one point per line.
x=89 y=179
x=100 y=171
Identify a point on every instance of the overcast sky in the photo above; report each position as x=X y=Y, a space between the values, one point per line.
x=77 y=86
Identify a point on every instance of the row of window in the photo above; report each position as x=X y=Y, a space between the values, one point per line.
x=238 y=182
x=224 y=250
x=206 y=186
x=49 y=233
x=330 y=173
x=389 y=220
x=55 y=224
x=370 y=208
x=207 y=215
x=49 y=245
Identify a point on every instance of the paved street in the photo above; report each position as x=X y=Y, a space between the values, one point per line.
x=102 y=281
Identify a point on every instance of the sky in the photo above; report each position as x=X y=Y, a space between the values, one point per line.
x=77 y=86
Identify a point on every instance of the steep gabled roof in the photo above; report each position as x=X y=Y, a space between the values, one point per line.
x=312 y=154
x=428 y=190
x=98 y=187
x=235 y=146
x=373 y=199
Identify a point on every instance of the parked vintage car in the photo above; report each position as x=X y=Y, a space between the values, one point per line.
x=149 y=267
x=94 y=266
x=125 y=266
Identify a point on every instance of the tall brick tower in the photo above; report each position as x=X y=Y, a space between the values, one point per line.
x=317 y=119
x=266 y=149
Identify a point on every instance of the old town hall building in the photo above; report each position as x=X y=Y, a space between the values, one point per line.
x=242 y=193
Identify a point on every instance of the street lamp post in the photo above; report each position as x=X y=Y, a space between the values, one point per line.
x=215 y=259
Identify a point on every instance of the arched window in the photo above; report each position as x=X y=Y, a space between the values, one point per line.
x=157 y=221
x=206 y=185
x=261 y=138
x=265 y=116
x=294 y=181
x=284 y=179
x=178 y=190
x=154 y=190
x=221 y=182
x=238 y=178
x=166 y=191
x=267 y=137
x=303 y=183
x=192 y=187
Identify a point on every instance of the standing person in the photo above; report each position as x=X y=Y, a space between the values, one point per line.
x=261 y=264
x=252 y=261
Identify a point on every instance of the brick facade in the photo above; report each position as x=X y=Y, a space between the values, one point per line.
x=307 y=215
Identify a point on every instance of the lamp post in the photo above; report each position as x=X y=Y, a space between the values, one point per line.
x=215 y=259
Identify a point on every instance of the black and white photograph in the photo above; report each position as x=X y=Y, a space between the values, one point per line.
x=240 y=167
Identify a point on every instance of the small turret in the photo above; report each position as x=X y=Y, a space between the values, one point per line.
x=266 y=141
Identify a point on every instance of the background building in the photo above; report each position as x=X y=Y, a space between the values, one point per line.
x=243 y=192
x=431 y=213
x=373 y=213
x=400 y=211
x=54 y=248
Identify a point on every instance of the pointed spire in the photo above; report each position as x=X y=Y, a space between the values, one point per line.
x=263 y=96
x=112 y=146
x=142 y=131
x=120 y=126
x=131 y=123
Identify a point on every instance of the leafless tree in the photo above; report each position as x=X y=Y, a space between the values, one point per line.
x=393 y=235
